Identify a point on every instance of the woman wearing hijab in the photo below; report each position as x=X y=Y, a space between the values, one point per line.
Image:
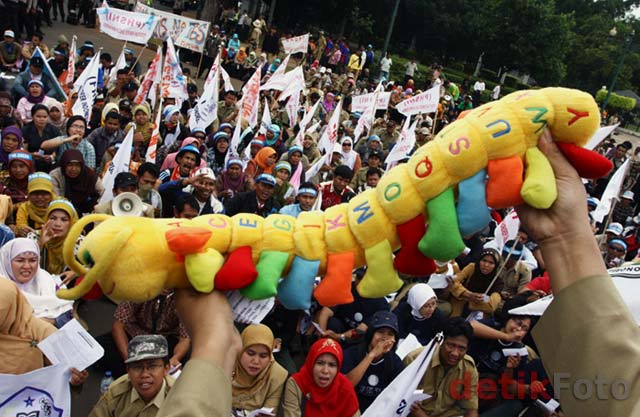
x=299 y=164
x=20 y=262
x=217 y=151
x=77 y=182
x=60 y=216
x=274 y=66
x=319 y=389
x=16 y=184
x=328 y=104
x=142 y=119
x=11 y=141
x=310 y=148
x=233 y=180
x=31 y=214
x=263 y=163
x=419 y=314
x=258 y=380
x=170 y=161
x=233 y=46
x=350 y=157
x=373 y=364
x=35 y=95
x=474 y=288
x=74 y=138
x=56 y=115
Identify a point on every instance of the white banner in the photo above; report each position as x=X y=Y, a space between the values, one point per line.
x=396 y=399
x=303 y=124
x=600 y=135
x=121 y=63
x=296 y=44
x=119 y=163
x=405 y=143
x=251 y=95
x=363 y=102
x=125 y=25
x=277 y=80
x=71 y=63
x=426 y=102
x=294 y=81
x=87 y=87
x=330 y=134
x=610 y=193
x=152 y=78
x=266 y=119
x=174 y=83
x=44 y=392
x=205 y=111
x=292 y=107
x=235 y=138
x=185 y=32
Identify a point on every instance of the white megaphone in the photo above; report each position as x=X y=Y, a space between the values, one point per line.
x=127 y=204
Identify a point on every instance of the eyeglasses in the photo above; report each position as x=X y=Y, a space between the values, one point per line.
x=138 y=368
x=77 y=126
x=348 y=145
x=521 y=324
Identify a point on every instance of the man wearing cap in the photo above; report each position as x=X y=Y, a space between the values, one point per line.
x=374 y=160
x=58 y=62
x=188 y=158
x=34 y=72
x=306 y=197
x=389 y=136
x=202 y=185
x=130 y=59
x=613 y=231
x=337 y=190
x=10 y=52
x=623 y=211
x=125 y=182
x=143 y=389
x=259 y=201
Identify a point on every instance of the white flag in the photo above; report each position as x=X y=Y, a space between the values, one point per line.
x=150 y=156
x=396 y=399
x=610 y=193
x=235 y=138
x=152 y=79
x=599 y=136
x=87 y=87
x=251 y=98
x=174 y=83
x=227 y=80
x=426 y=102
x=43 y=392
x=266 y=118
x=366 y=119
x=296 y=44
x=295 y=83
x=71 y=63
x=119 y=163
x=292 y=108
x=315 y=168
x=405 y=143
x=121 y=63
x=303 y=124
x=507 y=229
x=277 y=80
x=205 y=111
x=328 y=138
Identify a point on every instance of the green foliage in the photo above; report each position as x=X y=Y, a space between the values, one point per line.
x=511 y=81
x=616 y=102
x=488 y=75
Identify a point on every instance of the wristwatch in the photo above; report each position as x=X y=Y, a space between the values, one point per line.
x=343 y=338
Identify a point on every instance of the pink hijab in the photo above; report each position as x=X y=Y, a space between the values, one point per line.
x=170 y=161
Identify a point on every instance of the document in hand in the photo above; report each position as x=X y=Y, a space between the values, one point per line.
x=73 y=346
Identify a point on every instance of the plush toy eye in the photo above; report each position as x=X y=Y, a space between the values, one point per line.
x=86 y=257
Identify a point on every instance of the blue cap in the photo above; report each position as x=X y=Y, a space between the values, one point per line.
x=234 y=161
x=192 y=149
x=618 y=242
x=295 y=148
x=382 y=319
x=266 y=179
x=283 y=165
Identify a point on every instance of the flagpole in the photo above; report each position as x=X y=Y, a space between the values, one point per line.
x=435 y=120
x=137 y=59
x=199 y=64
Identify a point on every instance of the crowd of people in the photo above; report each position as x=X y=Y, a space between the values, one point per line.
x=332 y=361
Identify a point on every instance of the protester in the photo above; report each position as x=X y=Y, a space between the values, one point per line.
x=77 y=182
x=31 y=215
x=233 y=180
x=73 y=139
x=16 y=183
x=259 y=201
x=11 y=141
x=263 y=163
x=420 y=315
x=306 y=197
x=124 y=182
x=35 y=133
x=61 y=215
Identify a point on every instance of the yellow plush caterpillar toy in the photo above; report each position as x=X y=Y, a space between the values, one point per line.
x=484 y=154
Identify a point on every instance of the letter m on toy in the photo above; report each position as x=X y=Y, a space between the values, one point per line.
x=540 y=111
x=365 y=210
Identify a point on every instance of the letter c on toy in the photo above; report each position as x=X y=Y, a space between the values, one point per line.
x=426 y=171
x=456 y=147
x=222 y=225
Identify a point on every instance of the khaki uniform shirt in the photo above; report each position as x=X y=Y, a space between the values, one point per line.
x=122 y=400
x=439 y=382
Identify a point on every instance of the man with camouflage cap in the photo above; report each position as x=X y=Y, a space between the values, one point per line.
x=141 y=392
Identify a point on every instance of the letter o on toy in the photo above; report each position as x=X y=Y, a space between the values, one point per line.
x=582 y=389
x=619 y=389
x=392 y=191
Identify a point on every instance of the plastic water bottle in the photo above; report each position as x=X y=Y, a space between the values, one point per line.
x=106 y=381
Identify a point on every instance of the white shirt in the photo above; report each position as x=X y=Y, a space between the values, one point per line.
x=495 y=94
x=479 y=86
x=385 y=64
x=411 y=68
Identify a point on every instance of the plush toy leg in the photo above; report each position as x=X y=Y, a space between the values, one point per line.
x=270 y=267
x=202 y=268
x=472 y=211
x=186 y=240
x=294 y=292
x=539 y=187
x=589 y=164
x=380 y=279
x=409 y=260
x=335 y=287
x=505 y=182
x=238 y=271
x=442 y=240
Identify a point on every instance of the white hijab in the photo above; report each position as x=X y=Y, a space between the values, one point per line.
x=348 y=158
x=40 y=291
x=419 y=294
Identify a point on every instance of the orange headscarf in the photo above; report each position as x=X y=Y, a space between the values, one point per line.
x=261 y=160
